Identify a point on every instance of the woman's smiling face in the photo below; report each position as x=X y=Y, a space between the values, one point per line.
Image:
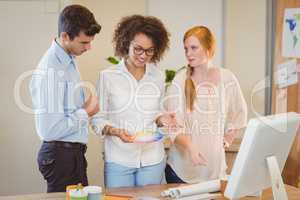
x=141 y=50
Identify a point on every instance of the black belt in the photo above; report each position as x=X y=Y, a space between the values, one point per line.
x=73 y=145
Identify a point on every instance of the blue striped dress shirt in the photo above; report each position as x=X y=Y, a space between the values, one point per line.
x=57 y=98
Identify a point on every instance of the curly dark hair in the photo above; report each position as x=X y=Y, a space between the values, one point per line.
x=130 y=26
x=76 y=18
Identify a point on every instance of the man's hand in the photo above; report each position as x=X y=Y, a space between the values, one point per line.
x=91 y=106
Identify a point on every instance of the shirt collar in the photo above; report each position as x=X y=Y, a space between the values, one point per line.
x=149 y=68
x=65 y=58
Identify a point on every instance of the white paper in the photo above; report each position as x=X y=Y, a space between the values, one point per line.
x=291 y=33
x=287 y=74
x=194 y=189
x=207 y=196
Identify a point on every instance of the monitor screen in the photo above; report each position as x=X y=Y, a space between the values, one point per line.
x=264 y=137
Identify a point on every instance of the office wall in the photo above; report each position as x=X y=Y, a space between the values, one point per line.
x=245 y=47
x=179 y=16
x=27 y=29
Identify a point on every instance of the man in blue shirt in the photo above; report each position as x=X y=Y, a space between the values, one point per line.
x=61 y=112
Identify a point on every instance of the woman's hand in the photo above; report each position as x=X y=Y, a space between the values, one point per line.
x=196 y=157
x=122 y=134
x=169 y=122
x=229 y=137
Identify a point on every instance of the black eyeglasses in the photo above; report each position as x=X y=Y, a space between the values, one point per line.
x=139 y=50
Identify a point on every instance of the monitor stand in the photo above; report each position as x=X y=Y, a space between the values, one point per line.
x=278 y=189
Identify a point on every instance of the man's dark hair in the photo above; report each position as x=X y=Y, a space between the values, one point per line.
x=130 y=26
x=76 y=18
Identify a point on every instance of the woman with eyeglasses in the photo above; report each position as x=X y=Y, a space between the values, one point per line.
x=209 y=103
x=130 y=96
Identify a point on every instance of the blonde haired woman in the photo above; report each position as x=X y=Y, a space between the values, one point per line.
x=209 y=103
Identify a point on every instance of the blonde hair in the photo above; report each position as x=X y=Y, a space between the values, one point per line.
x=207 y=40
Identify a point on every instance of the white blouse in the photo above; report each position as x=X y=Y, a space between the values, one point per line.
x=217 y=109
x=132 y=105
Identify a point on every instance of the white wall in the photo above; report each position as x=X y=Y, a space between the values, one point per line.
x=27 y=29
x=245 y=47
x=179 y=16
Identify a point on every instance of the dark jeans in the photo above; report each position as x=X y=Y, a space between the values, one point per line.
x=62 y=164
x=171 y=176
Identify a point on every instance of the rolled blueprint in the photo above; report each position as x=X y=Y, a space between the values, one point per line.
x=198 y=188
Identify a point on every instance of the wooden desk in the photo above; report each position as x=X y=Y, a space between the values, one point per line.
x=231 y=153
x=153 y=191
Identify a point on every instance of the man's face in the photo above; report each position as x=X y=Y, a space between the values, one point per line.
x=79 y=44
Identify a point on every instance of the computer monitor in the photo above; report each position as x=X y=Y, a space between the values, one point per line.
x=262 y=155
